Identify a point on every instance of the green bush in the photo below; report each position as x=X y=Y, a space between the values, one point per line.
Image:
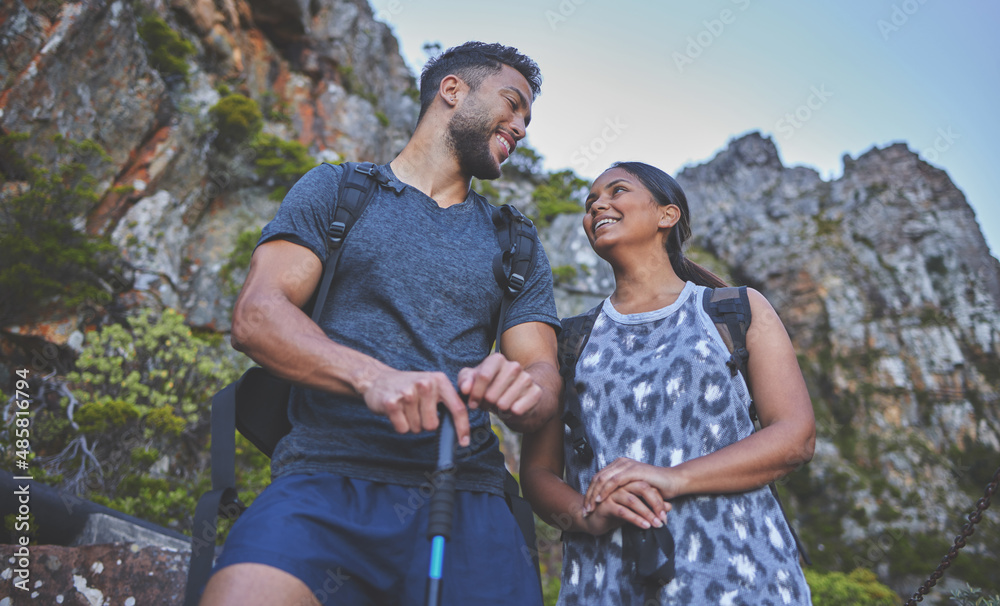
x=47 y=259
x=487 y=190
x=859 y=588
x=153 y=363
x=281 y=162
x=168 y=52
x=237 y=118
x=239 y=259
x=973 y=596
x=524 y=162
x=131 y=431
x=555 y=196
x=561 y=274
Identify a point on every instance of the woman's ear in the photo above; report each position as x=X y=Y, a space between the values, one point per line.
x=669 y=216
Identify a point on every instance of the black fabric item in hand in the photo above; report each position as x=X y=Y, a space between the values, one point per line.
x=651 y=551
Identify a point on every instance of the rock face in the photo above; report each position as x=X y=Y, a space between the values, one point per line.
x=78 y=70
x=882 y=277
x=889 y=292
x=326 y=75
x=93 y=575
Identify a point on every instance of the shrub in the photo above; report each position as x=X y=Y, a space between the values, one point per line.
x=556 y=196
x=562 y=274
x=237 y=118
x=973 y=596
x=281 y=162
x=154 y=362
x=168 y=52
x=524 y=162
x=859 y=588
x=47 y=259
x=131 y=429
x=239 y=258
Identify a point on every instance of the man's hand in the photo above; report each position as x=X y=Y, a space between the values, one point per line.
x=521 y=384
x=410 y=401
x=500 y=386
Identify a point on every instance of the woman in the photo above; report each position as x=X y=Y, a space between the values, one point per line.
x=668 y=423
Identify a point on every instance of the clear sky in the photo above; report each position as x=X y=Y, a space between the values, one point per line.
x=670 y=82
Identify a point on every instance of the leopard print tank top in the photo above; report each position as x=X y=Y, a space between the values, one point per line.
x=654 y=387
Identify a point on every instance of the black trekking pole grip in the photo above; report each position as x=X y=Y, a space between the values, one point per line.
x=442 y=506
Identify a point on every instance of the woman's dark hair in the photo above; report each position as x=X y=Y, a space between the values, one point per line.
x=667 y=191
x=473 y=62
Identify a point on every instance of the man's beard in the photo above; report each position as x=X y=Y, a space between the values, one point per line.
x=469 y=134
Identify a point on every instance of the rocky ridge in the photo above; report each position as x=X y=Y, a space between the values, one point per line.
x=889 y=292
x=881 y=276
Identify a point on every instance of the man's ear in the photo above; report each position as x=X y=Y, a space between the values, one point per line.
x=451 y=89
x=669 y=216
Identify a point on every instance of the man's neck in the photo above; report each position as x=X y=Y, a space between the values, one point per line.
x=428 y=166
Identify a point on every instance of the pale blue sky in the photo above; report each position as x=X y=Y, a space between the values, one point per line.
x=670 y=83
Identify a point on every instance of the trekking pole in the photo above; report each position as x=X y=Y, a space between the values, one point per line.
x=442 y=507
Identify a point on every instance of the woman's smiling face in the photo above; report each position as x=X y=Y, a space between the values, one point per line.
x=619 y=209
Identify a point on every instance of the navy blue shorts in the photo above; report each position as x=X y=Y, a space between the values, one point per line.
x=359 y=542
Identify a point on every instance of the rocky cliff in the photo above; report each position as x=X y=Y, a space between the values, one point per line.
x=881 y=276
x=325 y=75
x=889 y=292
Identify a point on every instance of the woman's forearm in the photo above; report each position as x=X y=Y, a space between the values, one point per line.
x=553 y=500
x=755 y=461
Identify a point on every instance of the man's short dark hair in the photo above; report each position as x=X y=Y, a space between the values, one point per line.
x=473 y=62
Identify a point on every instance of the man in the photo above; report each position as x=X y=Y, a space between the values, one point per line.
x=408 y=325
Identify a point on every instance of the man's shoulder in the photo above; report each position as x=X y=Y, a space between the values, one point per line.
x=318 y=184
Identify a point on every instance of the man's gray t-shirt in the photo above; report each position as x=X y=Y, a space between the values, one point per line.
x=414 y=289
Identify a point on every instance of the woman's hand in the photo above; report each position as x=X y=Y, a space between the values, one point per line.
x=623 y=472
x=637 y=503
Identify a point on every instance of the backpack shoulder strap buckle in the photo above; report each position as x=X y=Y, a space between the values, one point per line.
x=515 y=284
x=366 y=168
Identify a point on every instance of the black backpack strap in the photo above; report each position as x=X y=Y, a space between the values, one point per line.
x=795 y=536
x=221 y=500
x=523 y=514
x=266 y=426
x=357 y=186
x=513 y=264
x=729 y=309
x=572 y=339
